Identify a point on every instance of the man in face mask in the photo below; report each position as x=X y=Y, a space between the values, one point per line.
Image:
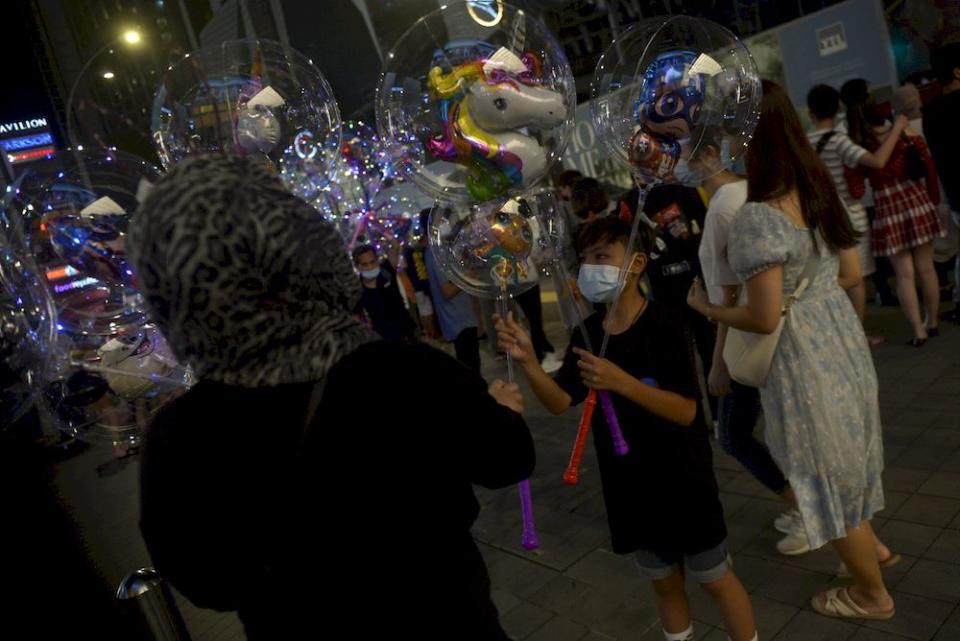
x=382 y=298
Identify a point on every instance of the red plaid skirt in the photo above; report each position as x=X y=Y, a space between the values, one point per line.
x=905 y=218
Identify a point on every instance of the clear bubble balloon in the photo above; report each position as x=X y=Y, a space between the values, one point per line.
x=676 y=99
x=483 y=106
x=73 y=209
x=369 y=201
x=499 y=248
x=27 y=335
x=110 y=101
x=250 y=97
x=112 y=386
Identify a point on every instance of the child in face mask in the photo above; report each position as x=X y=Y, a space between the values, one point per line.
x=662 y=499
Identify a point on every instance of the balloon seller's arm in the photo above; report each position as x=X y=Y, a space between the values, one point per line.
x=495 y=439
x=760 y=315
x=551 y=395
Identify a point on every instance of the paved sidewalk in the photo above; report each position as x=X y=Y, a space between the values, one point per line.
x=575 y=589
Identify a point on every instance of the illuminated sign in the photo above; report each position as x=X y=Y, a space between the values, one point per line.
x=486 y=12
x=23 y=125
x=27 y=142
x=24 y=140
x=75 y=284
x=33 y=154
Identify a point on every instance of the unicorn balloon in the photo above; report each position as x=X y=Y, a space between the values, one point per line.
x=484 y=107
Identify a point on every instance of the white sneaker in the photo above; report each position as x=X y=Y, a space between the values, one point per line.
x=551 y=363
x=788 y=521
x=794 y=544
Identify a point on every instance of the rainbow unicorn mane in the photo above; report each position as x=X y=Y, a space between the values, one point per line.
x=492 y=169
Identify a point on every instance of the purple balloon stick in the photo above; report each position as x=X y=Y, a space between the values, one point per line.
x=619 y=443
x=530 y=539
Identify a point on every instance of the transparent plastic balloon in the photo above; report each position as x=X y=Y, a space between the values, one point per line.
x=497 y=249
x=27 y=335
x=110 y=101
x=369 y=200
x=113 y=385
x=670 y=88
x=483 y=106
x=72 y=211
x=250 y=97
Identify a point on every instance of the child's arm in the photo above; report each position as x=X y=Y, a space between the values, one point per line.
x=512 y=339
x=601 y=374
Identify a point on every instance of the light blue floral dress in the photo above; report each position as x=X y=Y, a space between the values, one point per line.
x=820 y=402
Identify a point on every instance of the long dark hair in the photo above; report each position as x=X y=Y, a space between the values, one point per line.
x=780 y=159
x=862 y=113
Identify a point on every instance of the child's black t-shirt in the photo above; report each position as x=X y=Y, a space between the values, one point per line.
x=662 y=496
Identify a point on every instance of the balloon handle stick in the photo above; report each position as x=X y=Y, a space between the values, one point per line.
x=620 y=446
x=530 y=540
x=503 y=303
x=571 y=476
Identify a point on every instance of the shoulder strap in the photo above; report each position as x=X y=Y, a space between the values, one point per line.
x=822 y=143
x=807 y=276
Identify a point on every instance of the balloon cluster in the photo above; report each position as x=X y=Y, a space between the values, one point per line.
x=76 y=332
x=107 y=367
x=481 y=119
x=368 y=199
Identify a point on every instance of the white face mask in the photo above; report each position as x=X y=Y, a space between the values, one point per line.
x=370 y=274
x=599 y=283
x=683 y=175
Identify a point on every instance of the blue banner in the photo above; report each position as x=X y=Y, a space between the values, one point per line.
x=844 y=41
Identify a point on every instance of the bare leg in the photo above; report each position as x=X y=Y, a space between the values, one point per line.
x=907 y=291
x=735 y=607
x=672 y=603
x=858 y=296
x=859 y=552
x=929 y=285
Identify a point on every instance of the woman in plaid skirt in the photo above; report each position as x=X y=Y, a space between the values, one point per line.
x=905 y=223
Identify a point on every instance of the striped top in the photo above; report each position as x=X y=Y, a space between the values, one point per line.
x=839 y=151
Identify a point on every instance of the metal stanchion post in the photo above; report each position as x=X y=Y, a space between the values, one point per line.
x=146 y=591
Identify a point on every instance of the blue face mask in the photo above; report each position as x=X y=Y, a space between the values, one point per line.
x=683 y=175
x=370 y=274
x=599 y=283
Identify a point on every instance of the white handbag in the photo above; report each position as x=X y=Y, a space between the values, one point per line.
x=749 y=355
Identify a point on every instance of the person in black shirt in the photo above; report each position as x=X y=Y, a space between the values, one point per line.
x=662 y=499
x=678 y=214
x=941 y=128
x=382 y=299
x=283 y=485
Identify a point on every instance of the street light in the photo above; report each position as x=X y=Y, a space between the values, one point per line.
x=129 y=37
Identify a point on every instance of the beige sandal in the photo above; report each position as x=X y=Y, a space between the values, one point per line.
x=892 y=560
x=838 y=604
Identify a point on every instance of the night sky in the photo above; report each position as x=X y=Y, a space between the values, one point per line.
x=23 y=95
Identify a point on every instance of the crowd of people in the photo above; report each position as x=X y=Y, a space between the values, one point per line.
x=295 y=344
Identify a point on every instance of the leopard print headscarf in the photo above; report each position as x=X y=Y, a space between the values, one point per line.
x=248 y=283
